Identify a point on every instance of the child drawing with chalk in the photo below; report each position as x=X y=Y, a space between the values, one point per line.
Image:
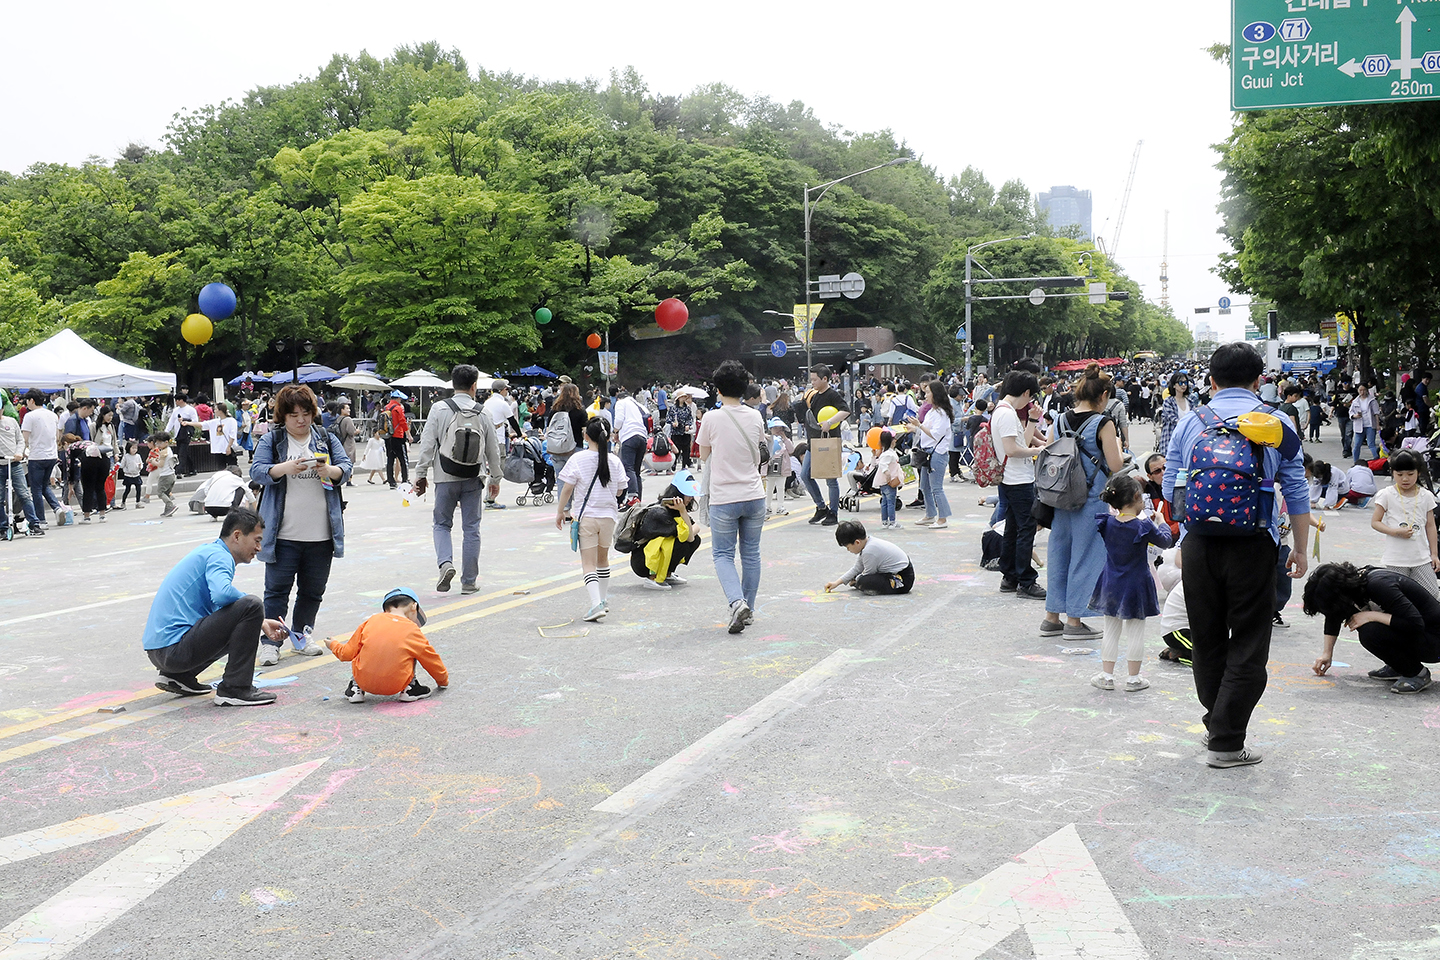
x=1125 y=593
x=383 y=651
x=881 y=568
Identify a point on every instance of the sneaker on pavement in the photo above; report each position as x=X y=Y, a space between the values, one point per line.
x=1051 y=628
x=830 y=520
x=594 y=614
x=1220 y=759
x=820 y=514
x=676 y=581
x=1136 y=684
x=469 y=588
x=186 y=686
x=252 y=697
x=416 y=691
x=1083 y=632
x=1031 y=591
x=1385 y=672
x=896 y=525
x=749 y=615
x=1280 y=621
x=353 y=693
x=168 y=512
x=447 y=576
x=36 y=531
x=738 y=611
x=1102 y=682
x=648 y=584
x=924 y=521
x=1412 y=684
x=992 y=565
x=313 y=647
x=269 y=654
x=1008 y=586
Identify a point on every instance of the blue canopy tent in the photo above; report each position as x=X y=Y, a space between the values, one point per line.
x=309 y=373
x=534 y=371
x=252 y=377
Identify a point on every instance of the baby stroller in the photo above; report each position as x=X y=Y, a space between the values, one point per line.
x=862 y=481
x=526 y=463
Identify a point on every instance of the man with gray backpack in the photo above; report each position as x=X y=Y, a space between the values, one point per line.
x=459 y=440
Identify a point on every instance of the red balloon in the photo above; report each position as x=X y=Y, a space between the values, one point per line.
x=671 y=314
x=593 y=341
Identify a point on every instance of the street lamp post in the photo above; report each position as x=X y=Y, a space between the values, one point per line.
x=824 y=188
x=969 y=260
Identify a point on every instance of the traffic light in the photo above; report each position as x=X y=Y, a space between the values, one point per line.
x=1272 y=320
x=1120 y=295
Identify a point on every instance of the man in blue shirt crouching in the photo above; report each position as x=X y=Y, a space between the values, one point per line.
x=198 y=617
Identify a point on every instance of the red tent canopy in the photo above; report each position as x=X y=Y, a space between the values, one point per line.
x=1070 y=366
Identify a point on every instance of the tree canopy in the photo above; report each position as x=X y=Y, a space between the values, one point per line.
x=418 y=211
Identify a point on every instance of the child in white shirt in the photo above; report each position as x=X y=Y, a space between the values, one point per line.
x=1405 y=513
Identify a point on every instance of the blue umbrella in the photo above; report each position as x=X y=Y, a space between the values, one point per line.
x=309 y=373
x=252 y=377
x=534 y=371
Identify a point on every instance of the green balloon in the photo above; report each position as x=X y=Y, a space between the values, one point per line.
x=543 y=315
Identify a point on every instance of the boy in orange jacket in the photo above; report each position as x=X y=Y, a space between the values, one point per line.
x=383 y=651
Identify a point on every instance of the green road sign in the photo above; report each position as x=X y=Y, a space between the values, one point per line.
x=1311 y=53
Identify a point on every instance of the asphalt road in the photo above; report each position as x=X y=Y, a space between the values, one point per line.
x=898 y=777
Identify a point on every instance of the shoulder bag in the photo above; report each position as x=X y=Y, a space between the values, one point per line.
x=575 y=522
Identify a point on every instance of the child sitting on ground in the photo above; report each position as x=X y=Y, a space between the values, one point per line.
x=383 y=651
x=880 y=568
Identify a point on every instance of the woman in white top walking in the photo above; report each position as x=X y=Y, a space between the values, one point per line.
x=935 y=430
x=593 y=479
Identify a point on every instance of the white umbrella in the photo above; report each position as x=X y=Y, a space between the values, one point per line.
x=360 y=380
x=694 y=393
x=421 y=378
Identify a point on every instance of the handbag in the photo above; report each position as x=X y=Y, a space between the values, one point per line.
x=575 y=522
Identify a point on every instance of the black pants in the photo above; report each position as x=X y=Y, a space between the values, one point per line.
x=395 y=451
x=883 y=584
x=1230 y=598
x=131 y=483
x=93 y=473
x=232 y=632
x=1405 y=653
x=681 y=442
x=304 y=564
x=1018 y=546
x=679 y=554
x=184 y=467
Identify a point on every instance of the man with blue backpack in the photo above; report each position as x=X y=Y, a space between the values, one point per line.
x=1224 y=464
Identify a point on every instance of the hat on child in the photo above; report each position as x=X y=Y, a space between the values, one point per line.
x=407 y=593
x=685 y=482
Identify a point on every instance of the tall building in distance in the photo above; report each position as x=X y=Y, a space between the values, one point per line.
x=1066 y=206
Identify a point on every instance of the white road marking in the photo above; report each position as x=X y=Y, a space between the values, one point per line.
x=153 y=546
x=104 y=726
x=88 y=606
x=193 y=824
x=670 y=777
x=1053 y=890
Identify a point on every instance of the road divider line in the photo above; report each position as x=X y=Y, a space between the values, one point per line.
x=69 y=610
x=153 y=546
x=669 y=778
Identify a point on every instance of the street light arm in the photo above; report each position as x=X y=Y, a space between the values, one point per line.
x=824 y=188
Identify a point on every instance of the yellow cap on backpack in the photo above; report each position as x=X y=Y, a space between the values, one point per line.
x=1265 y=429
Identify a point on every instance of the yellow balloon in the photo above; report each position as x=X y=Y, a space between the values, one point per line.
x=826 y=413
x=196 y=329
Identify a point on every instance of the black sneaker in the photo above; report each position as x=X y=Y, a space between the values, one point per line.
x=820 y=514
x=36 y=531
x=353 y=693
x=1008 y=586
x=1031 y=591
x=447 y=574
x=186 y=686
x=1412 y=684
x=830 y=520
x=1222 y=759
x=253 y=697
x=1385 y=672
x=1280 y=621
x=416 y=691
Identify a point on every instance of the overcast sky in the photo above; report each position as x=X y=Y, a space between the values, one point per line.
x=1047 y=91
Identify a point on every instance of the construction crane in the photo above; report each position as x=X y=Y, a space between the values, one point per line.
x=1165 y=265
x=1125 y=201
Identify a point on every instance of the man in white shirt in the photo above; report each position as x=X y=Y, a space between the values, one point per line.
x=1017 y=445
x=42 y=434
x=178 y=426
x=630 y=434
x=499 y=409
x=12 y=470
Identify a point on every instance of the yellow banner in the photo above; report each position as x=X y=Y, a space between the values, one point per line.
x=803 y=329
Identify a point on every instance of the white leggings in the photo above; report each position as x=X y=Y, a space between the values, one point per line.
x=1133 y=632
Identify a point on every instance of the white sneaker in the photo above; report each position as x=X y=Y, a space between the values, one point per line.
x=269 y=655
x=675 y=580
x=1102 y=682
x=1135 y=684
x=648 y=584
x=595 y=612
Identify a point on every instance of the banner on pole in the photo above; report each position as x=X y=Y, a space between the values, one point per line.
x=804 y=327
x=609 y=363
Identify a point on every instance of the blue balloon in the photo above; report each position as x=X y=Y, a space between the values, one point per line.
x=217 y=301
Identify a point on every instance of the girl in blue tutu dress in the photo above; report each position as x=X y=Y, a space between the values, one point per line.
x=1125 y=593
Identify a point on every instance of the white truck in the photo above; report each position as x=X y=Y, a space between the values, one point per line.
x=1300 y=353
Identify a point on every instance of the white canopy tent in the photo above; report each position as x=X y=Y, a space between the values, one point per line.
x=65 y=361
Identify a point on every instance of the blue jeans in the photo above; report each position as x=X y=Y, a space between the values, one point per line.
x=1075 y=560
x=304 y=564
x=632 y=454
x=1365 y=436
x=887 y=504
x=21 y=485
x=936 y=503
x=1284 y=586
x=727 y=522
x=1347 y=432
x=40 y=492
x=466 y=493
x=833 y=486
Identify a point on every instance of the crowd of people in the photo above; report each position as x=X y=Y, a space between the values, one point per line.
x=1132 y=537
